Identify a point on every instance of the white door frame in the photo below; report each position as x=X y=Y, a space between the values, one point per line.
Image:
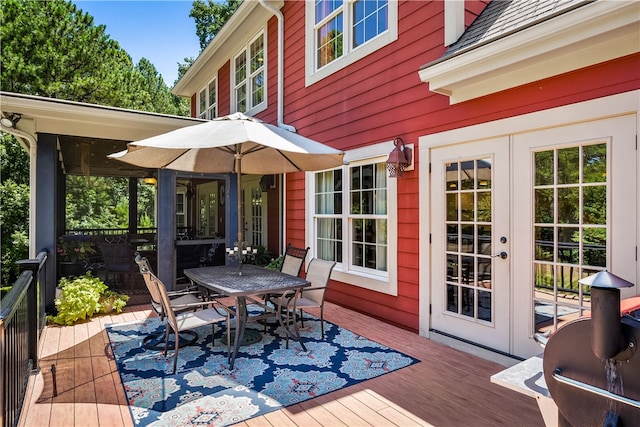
x=614 y=105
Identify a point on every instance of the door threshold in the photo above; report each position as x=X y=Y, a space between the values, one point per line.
x=479 y=350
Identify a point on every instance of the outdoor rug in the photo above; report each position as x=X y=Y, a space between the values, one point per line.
x=266 y=376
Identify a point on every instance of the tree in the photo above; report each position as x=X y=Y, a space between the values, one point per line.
x=210 y=17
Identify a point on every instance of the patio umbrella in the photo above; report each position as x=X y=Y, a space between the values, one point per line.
x=234 y=143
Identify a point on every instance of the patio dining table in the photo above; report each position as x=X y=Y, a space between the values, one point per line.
x=242 y=282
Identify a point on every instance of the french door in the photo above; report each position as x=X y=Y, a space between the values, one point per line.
x=470 y=242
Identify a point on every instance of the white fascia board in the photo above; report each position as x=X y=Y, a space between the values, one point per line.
x=47 y=115
x=242 y=25
x=589 y=35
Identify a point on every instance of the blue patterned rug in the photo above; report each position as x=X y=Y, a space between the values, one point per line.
x=266 y=376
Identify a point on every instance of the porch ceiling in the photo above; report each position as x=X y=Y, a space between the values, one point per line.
x=87 y=133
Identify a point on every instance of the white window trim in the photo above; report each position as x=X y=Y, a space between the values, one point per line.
x=350 y=56
x=206 y=92
x=388 y=285
x=244 y=49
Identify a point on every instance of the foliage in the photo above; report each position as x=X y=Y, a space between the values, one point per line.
x=14 y=223
x=275 y=263
x=14 y=161
x=74 y=248
x=103 y=203
x=82 y=297
x=210 y=17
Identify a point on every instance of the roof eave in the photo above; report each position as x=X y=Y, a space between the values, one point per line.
x=218 y=50
x=591 y=34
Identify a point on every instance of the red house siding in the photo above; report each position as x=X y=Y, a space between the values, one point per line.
x=380 y=97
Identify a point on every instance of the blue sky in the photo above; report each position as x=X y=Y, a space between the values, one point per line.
x=160 y=31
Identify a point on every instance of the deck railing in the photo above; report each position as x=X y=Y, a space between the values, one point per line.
x=22 y=319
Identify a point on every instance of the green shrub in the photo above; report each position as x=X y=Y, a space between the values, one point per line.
x=82 y=297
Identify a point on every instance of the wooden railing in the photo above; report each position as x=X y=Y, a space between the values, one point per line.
x=22 y=319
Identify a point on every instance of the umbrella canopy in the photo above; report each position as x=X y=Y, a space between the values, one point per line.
x=214 y=147
x=233 y=143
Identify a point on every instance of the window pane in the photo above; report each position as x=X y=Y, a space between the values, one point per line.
x=568 y=205
x=544 y=168
x=568 y=247
x=212 y=93
x=241 y=99
x=370 y=19
x=257 y=54
x=329 y=41
x=484 y=305
x=467 y=207
x=569 y=165
x=325 y=7
x=257 y=88
x=594 y=205
x=595 y=247
x=544 y=243
x=595 y=163
x=452 y=207
x=544 y=205
x=484 y=206
x=241 y=68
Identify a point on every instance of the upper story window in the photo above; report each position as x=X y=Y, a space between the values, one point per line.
x=339 y=32
x=208 y=101
x=352 y=221
x=249 y=77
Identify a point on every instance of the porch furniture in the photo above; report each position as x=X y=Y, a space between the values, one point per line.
x=242 y=282
x=181 y=300
x=318 y=275
x=178 y=322
x=293 y=260
x=119 y=262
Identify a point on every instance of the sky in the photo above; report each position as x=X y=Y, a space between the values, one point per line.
x=160 y=31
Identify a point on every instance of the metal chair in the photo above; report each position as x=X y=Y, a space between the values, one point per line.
x=318 y=275
x=179 y=298
x=178 y=322
x=293 y=260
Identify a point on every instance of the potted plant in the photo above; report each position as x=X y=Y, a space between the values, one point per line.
x=83 y=296
x=73 y=253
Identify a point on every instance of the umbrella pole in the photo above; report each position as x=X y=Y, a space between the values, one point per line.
x=238 y=166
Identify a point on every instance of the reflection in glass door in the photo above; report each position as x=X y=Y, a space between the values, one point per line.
x=468 y=255
x=470 y=282
x=570 y=228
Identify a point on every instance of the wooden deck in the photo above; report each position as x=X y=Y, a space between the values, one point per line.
x=447 y=388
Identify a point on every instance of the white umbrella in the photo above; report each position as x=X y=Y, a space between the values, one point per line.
x=234 y=143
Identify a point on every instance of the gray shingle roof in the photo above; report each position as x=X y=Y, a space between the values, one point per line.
x=503 y=17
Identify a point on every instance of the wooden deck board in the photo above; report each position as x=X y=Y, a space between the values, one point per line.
x=447 y=388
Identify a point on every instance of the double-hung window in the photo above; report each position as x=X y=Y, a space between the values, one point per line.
x=339 y=32
x=208 y=101
x=353 y=222
x=249 y=77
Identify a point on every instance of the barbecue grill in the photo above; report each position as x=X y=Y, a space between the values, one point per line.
x=592 y=366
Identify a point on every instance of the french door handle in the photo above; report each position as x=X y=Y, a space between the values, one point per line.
x=502 y=255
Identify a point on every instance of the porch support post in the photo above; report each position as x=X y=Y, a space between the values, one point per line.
x=133 y=205
x=166 y=223
x=47 y=201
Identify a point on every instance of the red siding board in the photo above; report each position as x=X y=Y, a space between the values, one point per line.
x=380 y=97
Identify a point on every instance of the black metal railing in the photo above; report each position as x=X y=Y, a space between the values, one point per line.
x=22 y=319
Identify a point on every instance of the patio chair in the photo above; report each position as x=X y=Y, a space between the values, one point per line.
x=178 y=322
x=318 y=275
x=179 y=298
x=293 y=260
